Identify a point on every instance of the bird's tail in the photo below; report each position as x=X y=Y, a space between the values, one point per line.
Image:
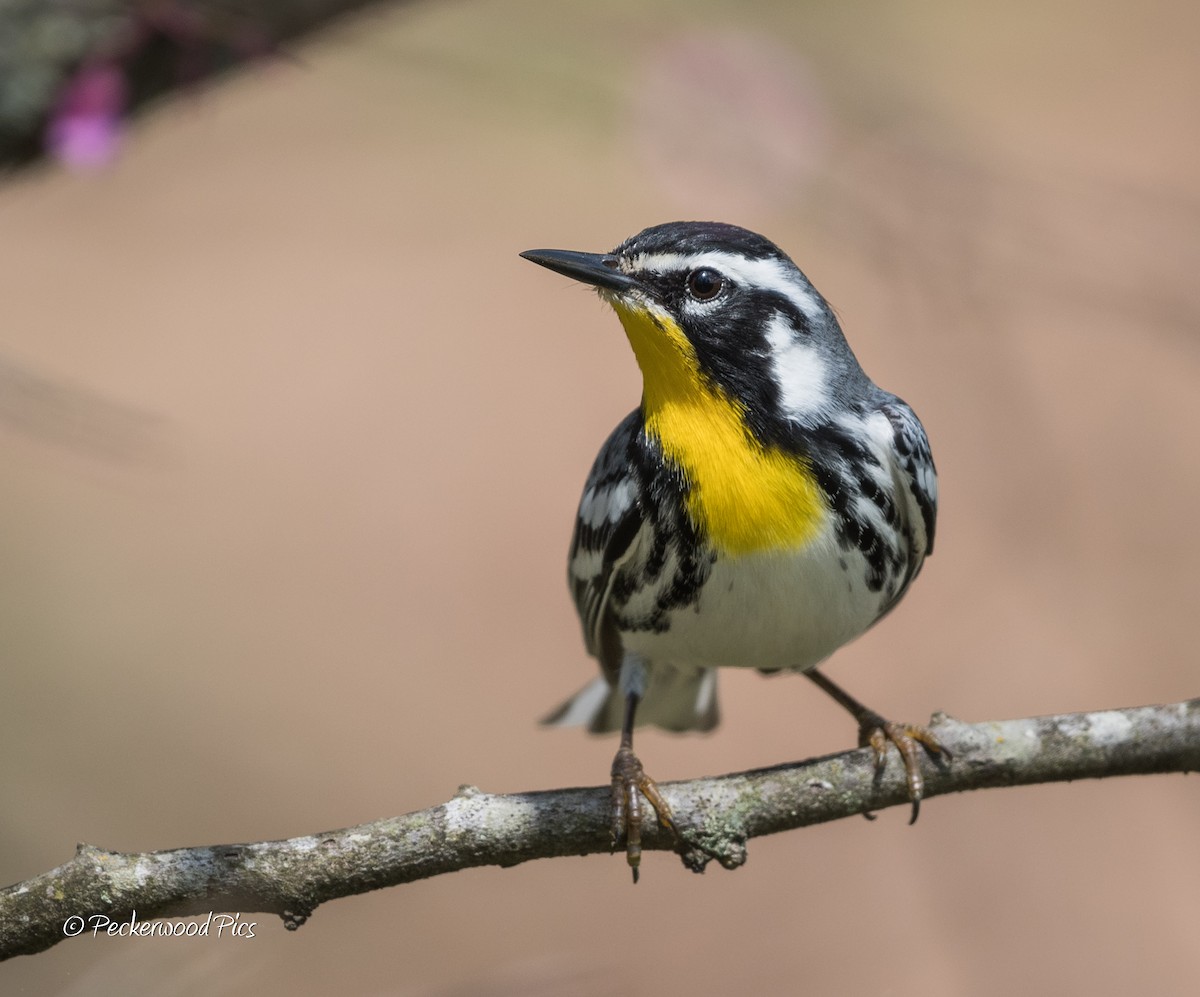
x=674 y=700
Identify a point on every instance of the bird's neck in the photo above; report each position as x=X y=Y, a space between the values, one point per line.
x=743 y=495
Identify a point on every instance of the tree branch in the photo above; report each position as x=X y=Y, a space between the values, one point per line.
x=154 y=47
x=716 y=816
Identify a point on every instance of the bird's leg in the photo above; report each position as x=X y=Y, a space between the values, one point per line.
x=874 y=731
x=629 y=784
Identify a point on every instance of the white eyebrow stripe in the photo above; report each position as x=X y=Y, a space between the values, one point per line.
x=769 y=274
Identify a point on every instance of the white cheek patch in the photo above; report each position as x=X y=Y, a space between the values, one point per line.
x=799 y=370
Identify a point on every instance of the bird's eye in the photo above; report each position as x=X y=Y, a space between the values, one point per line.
x=704 y=284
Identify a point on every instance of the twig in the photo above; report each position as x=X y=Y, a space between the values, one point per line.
x=716 y=815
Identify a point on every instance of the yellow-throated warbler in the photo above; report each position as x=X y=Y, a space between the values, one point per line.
x=765 y=504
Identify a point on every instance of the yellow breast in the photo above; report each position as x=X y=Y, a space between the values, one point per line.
x=745 y=496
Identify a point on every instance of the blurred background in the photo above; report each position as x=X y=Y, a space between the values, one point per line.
x=293 y=440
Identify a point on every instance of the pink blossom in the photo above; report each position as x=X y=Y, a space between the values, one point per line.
x=86 y=129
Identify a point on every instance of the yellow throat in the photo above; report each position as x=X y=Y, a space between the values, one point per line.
x=745 y=496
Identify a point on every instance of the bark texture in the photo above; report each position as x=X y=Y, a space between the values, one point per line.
x=716 y=816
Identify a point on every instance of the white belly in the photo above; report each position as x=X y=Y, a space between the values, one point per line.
x=768 y=610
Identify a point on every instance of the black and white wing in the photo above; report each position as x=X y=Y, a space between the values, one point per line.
x=916 y=478
x=609 y=520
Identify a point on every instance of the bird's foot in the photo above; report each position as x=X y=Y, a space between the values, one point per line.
x=876 y=732
x=629 y=784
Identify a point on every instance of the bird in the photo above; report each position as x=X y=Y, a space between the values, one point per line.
x=765 y=503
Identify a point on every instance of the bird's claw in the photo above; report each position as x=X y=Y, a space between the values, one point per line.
x=876 y=733
x=629 y=785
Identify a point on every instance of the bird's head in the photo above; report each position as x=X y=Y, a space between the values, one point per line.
x=713 y=307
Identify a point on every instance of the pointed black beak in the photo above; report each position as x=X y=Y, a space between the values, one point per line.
x=598 y=269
